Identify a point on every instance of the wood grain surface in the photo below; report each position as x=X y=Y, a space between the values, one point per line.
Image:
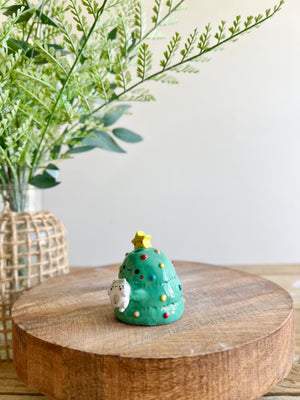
x=235 y=340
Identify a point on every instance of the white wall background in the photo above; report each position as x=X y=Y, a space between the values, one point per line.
x=216 y=178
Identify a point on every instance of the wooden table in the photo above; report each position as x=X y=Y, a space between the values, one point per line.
x=287 y=276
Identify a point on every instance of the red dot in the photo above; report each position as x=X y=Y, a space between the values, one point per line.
x=173 y=262
x=141 y=277
x=111 y=288
x=120 y=289
x=144 y=256
x=166 y=315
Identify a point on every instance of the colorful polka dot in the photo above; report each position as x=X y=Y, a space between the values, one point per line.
x=120 y=288
x=144 y=256
x=162 y=265
x=157 y=251
x=152 y=277
x=163 y=297
x=166 y=315
x=180 y=287
x=142 y=277
x=136 y=314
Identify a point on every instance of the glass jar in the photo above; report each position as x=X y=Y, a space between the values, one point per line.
x=20 y=198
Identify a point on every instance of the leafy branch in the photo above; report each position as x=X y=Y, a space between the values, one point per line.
x=63 y=84
x=157 y=9
x=36 y=156
x=189 y=45
x=163 y=20
x=203 y=46
x=171 y=51
x=144 y=61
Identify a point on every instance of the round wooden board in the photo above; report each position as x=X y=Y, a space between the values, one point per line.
x=235 y=340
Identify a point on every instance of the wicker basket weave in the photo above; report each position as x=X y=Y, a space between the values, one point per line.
x=33 y=249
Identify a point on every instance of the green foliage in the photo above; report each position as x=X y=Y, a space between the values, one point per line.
x=64 y=81
x=47 y=179
x=157 y=9
x=204 y=40
x=171 y=50
x=139 y=21
x=144 y=61
x=189 y=45
x=102 y=140
x=126 y=135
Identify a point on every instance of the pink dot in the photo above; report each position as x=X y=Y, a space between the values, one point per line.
x=166 y=315
x=141 y=277
x=144 y=256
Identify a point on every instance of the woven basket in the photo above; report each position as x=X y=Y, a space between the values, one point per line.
x=32 y=249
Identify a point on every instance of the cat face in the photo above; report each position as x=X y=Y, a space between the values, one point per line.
x=119 y=293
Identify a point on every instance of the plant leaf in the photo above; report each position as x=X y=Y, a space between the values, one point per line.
x=52 y=170
x=15 y=45
x=43 y=181
x=55 y=151
x=111 y=117
x=104 y=141
x=126 y=135
x=24 y=16
x=81 y=149
x=12 y=9
x=144 y=61
x=46 y=20
x=156 y=35
x=112 y=34
x=171 y=50
x=59 y=48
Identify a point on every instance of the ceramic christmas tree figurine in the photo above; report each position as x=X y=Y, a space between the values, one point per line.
x=148 y=291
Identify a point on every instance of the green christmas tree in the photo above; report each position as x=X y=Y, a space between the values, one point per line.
x=155 y=291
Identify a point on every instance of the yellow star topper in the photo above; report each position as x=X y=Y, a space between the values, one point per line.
x=141 y=240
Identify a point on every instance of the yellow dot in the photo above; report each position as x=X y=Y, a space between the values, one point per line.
x=163 y=297
x=136 y=314
x=162 y=265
